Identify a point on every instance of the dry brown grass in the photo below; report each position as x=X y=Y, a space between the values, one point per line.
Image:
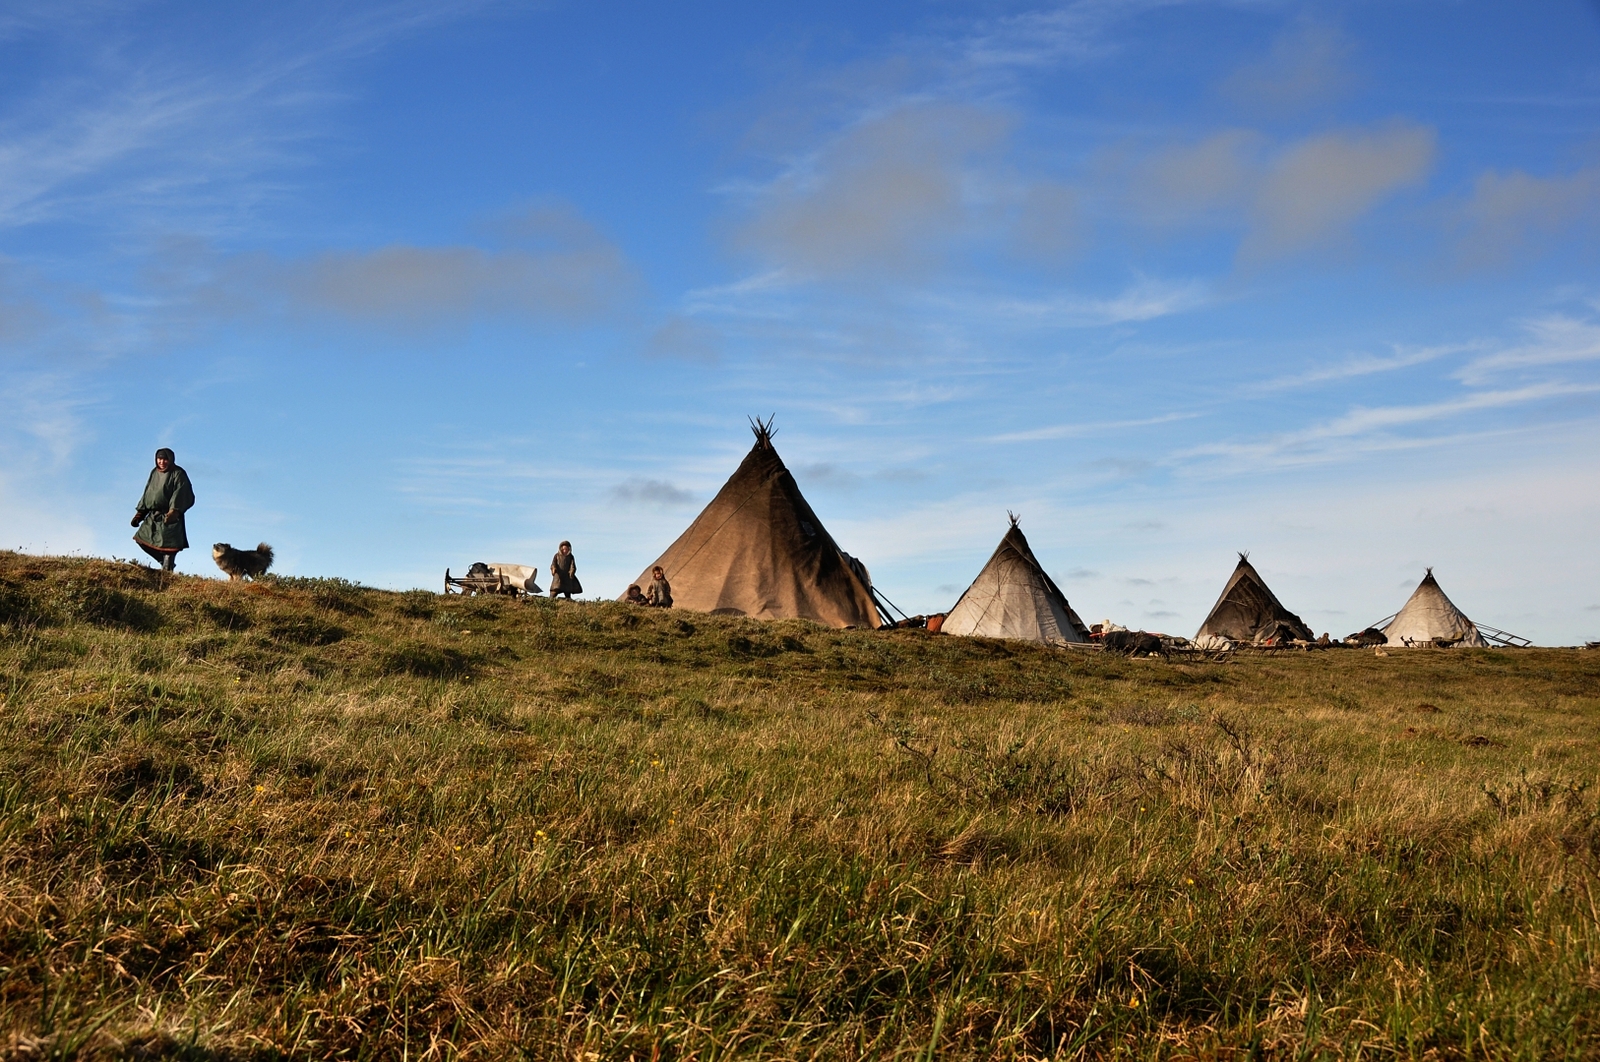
x=302 y=819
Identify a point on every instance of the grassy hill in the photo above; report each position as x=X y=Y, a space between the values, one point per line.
x=301 y=818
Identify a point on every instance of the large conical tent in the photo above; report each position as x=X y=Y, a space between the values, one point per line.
x=1013 y=597
x=758 y=550
x=1249 y=612
x=1429 y=618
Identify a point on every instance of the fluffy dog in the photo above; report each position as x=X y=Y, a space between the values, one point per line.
x=239 y=563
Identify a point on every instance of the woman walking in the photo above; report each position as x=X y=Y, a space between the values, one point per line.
x=159 y=518
x=564 y=573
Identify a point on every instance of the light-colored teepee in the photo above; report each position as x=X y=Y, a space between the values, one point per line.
x=1429 y=618
x=1249 y=612
x=1013 y=597
x=759 y=550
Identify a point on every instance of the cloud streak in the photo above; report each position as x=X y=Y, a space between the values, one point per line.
x=1075 y=431
x=1557 y=340
x=1372 y=429
x=1143 y=301
x=140 y=127
x=1361 y=365
x=1074 y=32
x=566 y=273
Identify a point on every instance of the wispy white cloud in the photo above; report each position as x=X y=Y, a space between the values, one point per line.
x=1074 y=431
x=24 y=18
x=50 y=412
x=139 y=127
x=1144 y=300
x=1362 y=420
x=1363 y=365
x=1556 y=340
x=484 y=478
x=734 y=298
x=1075 y=31
x=1367 y=430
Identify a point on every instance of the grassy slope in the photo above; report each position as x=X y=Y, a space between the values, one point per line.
x=301 y=818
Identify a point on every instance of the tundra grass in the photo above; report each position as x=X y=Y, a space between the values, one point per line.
x=304 y=819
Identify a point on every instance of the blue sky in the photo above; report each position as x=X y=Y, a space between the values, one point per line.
x=409 y=285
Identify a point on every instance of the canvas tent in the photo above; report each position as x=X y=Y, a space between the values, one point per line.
x=1249 y=612
x=1429 y=618
x=1013 y=597
x=759 y=550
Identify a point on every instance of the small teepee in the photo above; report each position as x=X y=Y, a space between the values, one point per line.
x=759 y=550
x=1248 y=612
x=1013 y=597
x=1429 y=618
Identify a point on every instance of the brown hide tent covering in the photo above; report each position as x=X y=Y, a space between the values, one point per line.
x=1249 y=612
x=1429 y=618
x=759 y=550
x=1013 y=597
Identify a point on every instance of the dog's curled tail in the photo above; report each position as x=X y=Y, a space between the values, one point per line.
x=266 y=552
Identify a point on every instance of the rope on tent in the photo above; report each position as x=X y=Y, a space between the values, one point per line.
x=884 y=605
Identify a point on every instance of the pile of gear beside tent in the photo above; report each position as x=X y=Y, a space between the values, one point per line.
x=759 y=550
x=481 y=578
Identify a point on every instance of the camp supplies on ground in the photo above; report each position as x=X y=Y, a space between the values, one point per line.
x=481 y=578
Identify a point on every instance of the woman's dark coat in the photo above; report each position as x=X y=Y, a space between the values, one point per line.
x=165 y=492
x=564 y=575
